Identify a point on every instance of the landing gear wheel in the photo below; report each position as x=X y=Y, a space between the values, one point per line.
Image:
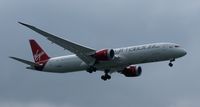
x=103 y=77
x=91 y=69
x=170 y=64
x=108 y=77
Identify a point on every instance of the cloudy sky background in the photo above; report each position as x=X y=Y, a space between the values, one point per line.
x=100 y=24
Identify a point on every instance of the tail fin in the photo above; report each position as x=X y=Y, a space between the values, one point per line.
x=39 y=56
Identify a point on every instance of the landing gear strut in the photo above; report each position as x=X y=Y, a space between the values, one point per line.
x=170 y=63
x=106 y=76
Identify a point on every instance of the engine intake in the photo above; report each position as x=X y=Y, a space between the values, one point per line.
x=104 y=54
x=132 y=71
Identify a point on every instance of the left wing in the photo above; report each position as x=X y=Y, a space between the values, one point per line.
x=81 y=51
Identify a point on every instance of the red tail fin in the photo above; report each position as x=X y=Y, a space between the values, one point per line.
x=39 y=55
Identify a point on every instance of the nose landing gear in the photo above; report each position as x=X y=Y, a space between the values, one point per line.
x=170 y=63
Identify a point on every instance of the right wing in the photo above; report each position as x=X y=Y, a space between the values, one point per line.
x=82 y=52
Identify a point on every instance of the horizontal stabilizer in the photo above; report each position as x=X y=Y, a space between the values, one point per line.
x=24 y=61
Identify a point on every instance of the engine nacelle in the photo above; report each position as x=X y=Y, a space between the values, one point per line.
x=132 y=71
x=104 y=54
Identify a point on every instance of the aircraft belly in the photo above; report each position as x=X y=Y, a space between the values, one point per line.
x=65 y=65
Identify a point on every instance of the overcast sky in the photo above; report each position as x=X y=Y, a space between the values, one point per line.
x=100 y=24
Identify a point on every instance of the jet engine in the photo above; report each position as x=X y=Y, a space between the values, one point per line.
x=132 y=71
x=104 y=54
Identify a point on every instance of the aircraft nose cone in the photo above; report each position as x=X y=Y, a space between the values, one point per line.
x=183 y=52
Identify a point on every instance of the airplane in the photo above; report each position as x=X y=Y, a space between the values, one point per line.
x=122 y=60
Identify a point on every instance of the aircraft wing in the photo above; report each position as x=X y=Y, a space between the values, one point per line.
x=81 y=51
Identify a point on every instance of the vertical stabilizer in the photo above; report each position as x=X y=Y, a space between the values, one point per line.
x=39 y=55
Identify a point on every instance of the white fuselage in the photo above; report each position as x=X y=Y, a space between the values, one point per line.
x=123 y=57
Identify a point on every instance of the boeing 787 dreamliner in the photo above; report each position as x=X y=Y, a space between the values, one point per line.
x=121 y=60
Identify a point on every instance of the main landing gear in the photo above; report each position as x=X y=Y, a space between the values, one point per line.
x=91 y=69
x=106 y=76
x=170 y=63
